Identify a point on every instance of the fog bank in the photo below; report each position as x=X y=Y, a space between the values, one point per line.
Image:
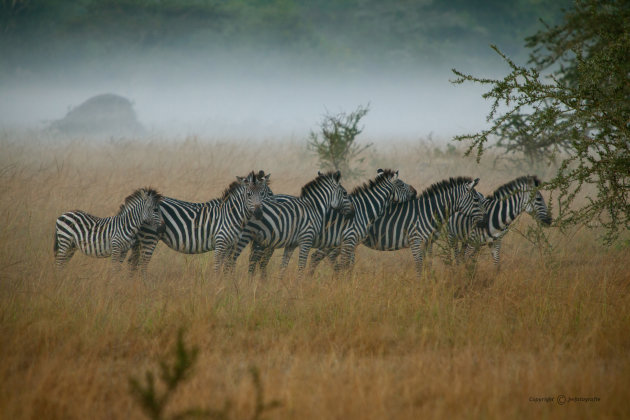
x=245 y=105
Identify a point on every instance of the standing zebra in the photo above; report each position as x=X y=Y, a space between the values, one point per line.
x=297 y=222
x=506 y=204
x=107 y=236
x=341 y=234
x=195 y=228
x=413 y=223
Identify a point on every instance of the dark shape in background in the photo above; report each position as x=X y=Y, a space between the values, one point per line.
x=102 y=115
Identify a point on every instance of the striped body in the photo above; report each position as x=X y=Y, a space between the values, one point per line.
x=413 y=223
x=296 y=222
x=108 y=236
x=342 y=235
x=195 y=228
x=502 y=208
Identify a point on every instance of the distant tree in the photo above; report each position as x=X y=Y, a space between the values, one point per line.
x=579 y=113
x=336 y=148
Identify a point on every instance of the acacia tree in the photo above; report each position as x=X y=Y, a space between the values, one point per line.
x=578 y=112
x=337 y=148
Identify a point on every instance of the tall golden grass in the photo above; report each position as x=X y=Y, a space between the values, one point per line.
x=380 y=344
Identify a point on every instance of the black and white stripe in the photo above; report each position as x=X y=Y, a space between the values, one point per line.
x=107 y=236
x=413 y=223
x=195 y=228
x=342 y=235
x=502 y=208
x=296 y=223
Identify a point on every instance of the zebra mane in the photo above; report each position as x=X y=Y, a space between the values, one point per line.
x=443 y=185
x=138 y=194
x=380 y=178
x=317 y=181
x=232 y=188
x=509 y=187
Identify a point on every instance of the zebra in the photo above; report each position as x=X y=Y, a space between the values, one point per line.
x=506 y=204
x=343 y=234
x=413 y=223
x=296 y=222
x=195 y=228
x=107 y=236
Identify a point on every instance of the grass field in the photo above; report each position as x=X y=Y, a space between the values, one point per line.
x=381 y=344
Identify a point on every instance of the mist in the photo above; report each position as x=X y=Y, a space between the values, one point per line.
x=237 y=104
x=252 y=72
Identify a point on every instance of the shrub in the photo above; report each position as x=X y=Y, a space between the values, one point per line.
x=337 y=148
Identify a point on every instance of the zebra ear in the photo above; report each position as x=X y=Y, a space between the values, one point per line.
x=319 y=173
x=396 y=175
x=379 y=172
x=337 y=176
x=472 y=184
x=240 y=179
x=267 y=177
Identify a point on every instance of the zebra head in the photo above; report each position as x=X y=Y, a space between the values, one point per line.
x=402 y=191
x=471 y=202
x=143 y=206
x=256 y=190
x=523 y=194
x=329 y=192
x=535 y=203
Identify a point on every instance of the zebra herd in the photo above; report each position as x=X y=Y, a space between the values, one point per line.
x=384 y=214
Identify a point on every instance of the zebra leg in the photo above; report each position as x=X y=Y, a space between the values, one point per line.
x=220 y=255
x=255 y=255
x=460 y=248
x=64 y=250
x=471 y=251
x=118 y=256
x=305 y=248
x=264 y=262
x=145 y=246
x=222 y=251
x=418 y=253
x=332 y=256
x=453 y=243
x=428 y=251
x=496 y=249
x=316 y=257
x=348 y=249
x=245 y=238
x=134 y=258
x=286 y=257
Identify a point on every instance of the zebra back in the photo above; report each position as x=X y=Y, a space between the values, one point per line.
x=422 y=216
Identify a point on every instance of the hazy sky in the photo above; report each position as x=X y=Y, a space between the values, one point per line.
x=271 y=72
x=242 y=105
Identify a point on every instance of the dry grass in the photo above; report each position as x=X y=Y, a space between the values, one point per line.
x=378 y=345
